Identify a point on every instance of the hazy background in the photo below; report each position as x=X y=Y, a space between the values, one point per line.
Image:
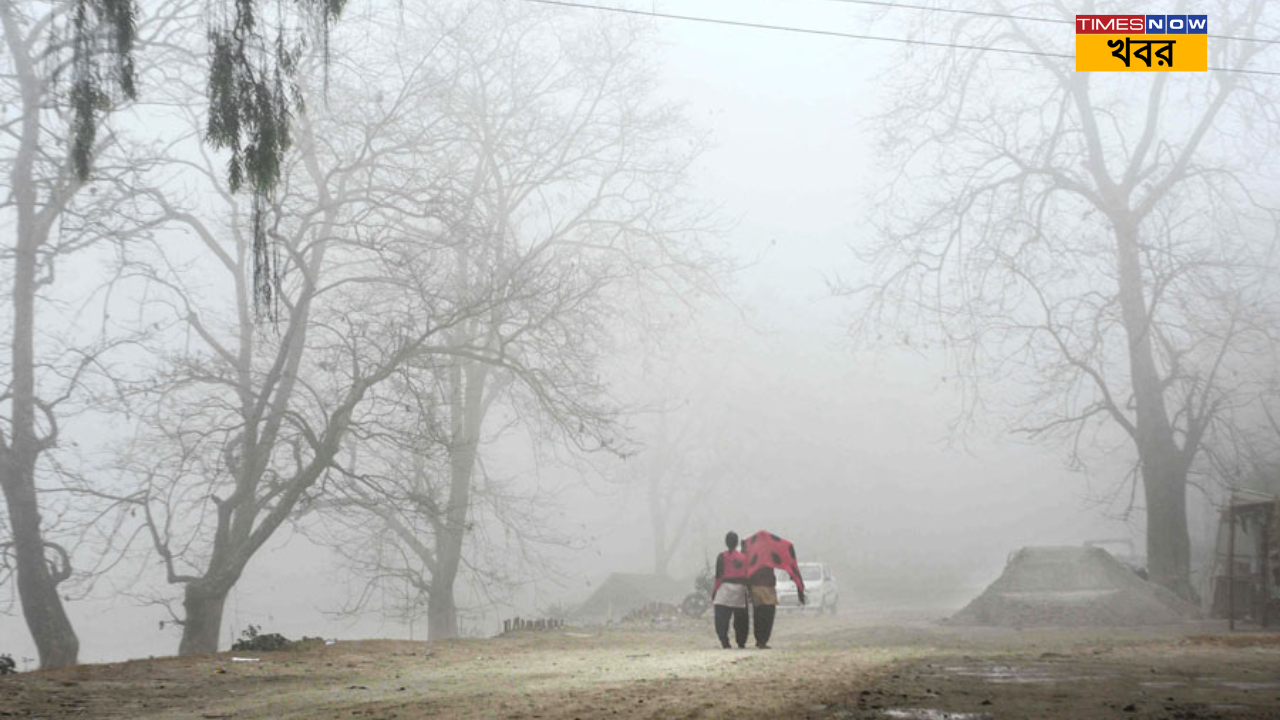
x=851 y=450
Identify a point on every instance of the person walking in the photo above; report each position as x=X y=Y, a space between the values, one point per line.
x=729 y=594
x=766 y=553
x=764 y=604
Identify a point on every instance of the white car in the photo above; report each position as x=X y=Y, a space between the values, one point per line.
x=820 y=589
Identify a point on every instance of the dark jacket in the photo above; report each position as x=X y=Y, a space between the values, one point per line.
x=764 y=577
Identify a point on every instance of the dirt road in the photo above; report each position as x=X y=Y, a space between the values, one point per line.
x=861 y=666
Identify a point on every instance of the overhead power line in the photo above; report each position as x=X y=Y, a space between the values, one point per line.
x=793 y=29
x=953 y=11
x=841 y=34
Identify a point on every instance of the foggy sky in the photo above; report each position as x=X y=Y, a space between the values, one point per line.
x=859 y=438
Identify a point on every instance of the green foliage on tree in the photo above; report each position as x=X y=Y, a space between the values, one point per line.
x=97 y=25
x=252 y=94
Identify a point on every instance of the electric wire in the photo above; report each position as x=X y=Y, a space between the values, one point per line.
x=846 y=35
x=792 y=28
x=954 y=11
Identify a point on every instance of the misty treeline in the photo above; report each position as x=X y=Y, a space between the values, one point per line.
x=1095 y=253
x=693 y=453
x=477 y=201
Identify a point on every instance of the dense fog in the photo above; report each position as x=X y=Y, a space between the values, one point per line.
x=544 y=294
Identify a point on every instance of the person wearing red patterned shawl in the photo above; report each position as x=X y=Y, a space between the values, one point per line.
x=765 y=553
x=729 y=595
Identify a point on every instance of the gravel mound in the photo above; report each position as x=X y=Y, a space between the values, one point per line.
x=1072 y=587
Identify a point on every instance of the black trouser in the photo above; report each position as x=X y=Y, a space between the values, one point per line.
x=740 y=624
x=764 y=622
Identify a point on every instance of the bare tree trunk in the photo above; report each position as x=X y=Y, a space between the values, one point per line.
x=1164 y=473
x=442 y=612
x=658 y=521
x=42 y=608
x=47 y=621
x=55 y=639
x=661 y=560
x=203 y=604
x=467 y=397
x=1168 y=541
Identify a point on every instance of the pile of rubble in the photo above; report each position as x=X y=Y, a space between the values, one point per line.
x=654 y=613
x=1072 y=587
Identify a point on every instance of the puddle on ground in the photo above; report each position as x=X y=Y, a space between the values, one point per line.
x=999 y=674
x=1003 y=674
x=1241 y=685
x=932 y=714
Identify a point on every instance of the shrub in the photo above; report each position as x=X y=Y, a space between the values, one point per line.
x=252 y=639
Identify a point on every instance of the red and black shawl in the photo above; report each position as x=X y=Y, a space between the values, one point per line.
x=731 y=566
x=766 y=550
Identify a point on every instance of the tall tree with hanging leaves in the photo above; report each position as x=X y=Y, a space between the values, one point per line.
x=241 y=427
x=252 y=92
x=46 y=209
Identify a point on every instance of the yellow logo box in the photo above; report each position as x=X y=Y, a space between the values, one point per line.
x=1144 y=53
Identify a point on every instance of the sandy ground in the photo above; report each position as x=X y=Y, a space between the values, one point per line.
x=869 y=665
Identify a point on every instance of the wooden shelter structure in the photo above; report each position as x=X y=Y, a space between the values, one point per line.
x=1246 y=577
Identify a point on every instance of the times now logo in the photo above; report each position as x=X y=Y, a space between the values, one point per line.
x=1142 y=24
x=1142 y=43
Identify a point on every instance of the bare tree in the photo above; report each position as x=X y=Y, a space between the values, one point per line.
x=245 y=424
x=385 y=517
x=1099 y=238
x=573 y=224
x=683 y=461
x=1245 y=452
x=56 y=210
